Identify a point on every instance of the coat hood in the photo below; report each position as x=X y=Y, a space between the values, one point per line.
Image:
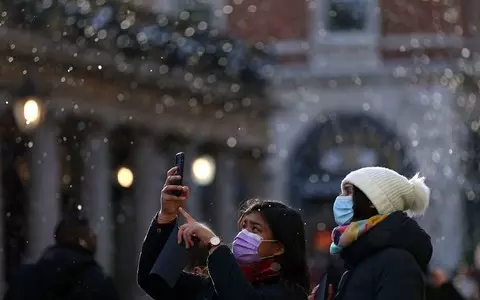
x=396 y=231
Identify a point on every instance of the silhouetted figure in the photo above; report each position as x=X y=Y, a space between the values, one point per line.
x=66 y=270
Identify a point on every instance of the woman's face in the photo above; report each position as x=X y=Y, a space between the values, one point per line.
x=254 y=222
x=362 y=207
x=347 y=189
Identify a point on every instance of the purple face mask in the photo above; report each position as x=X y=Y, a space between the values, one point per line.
x=245 y=247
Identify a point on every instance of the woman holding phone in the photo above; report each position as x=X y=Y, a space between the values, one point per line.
x=267 y=259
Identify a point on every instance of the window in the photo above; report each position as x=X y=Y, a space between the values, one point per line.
x=344 y=36
x=345 y=21
x=347 y=15
x=209 y=11
x=200 y=10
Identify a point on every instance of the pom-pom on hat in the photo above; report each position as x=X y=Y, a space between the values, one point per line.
x=389 y=191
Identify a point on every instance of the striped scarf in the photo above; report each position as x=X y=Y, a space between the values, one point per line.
x=345 y=235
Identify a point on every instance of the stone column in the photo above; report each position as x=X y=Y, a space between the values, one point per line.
x=256 y=178
x=96 y=195
x=150 y=168
x=2 y=241
x=44 y=205
x=226 y=195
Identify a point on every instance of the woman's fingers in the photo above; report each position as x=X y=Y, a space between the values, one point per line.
x=181 y=229
x=167 y=192
x=185 y=192
x=180 y=235
x=186 y=215
x=188 y=236
x=172 y=171
x=173 y=180
x=330 y=292
x=313 y=294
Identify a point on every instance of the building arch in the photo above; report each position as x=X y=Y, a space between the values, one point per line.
x=335 y=144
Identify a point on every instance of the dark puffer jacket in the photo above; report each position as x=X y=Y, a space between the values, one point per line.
x=67 y=272
x=388 y=262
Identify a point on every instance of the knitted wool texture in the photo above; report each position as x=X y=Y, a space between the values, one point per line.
x=389 y=191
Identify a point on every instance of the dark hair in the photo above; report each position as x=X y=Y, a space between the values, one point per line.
x=197 y=257
x=288 y=228
x=70 y=229
x=362 y=206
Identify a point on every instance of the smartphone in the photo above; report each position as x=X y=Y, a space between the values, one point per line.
x=179 y=163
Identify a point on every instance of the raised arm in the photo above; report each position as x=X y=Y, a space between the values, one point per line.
x=164 y=255
x=186 y=284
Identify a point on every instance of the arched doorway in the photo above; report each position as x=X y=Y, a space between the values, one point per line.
x=336 y=145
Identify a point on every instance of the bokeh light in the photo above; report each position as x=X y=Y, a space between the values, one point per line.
x=31 y=111
x=203 y=170
x=125 y=177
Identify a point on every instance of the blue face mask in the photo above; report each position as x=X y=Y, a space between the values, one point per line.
x=343 y=210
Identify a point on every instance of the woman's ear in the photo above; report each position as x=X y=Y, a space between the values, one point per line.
x=279 y=249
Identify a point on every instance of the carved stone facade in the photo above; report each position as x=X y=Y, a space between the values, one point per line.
x=160 y=113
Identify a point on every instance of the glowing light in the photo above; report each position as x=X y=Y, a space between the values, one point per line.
x=203 y=170
x=125 y=177
x=31 y=111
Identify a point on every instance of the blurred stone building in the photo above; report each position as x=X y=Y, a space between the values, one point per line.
x=87 y=131
x=357 y=83
x=360 y=83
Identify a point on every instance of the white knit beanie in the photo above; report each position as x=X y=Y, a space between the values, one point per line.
x=389 y=191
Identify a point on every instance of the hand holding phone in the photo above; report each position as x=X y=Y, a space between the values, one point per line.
x=173 y=193
x=179 y=163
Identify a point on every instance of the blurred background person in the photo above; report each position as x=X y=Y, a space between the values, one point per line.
x=465 y=283
x=440 y=287
x=66 y=270
x=476 y=264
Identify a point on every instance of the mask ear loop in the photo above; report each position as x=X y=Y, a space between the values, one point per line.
x=271 y=241
x=270 y=256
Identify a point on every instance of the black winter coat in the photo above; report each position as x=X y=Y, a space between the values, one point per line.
x=226 y=281
x=71 y=270
x=388 y=262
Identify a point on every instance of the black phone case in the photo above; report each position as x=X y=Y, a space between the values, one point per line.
x=179 y=163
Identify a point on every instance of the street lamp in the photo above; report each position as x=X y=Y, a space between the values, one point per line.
x=125 y=177
x=203 y=170
x=31 y=111
x=27 y=107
